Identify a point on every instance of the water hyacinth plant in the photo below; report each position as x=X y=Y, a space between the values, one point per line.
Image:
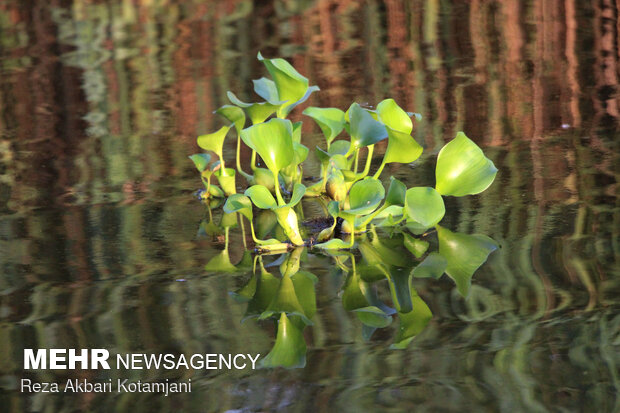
x=356 y=197
x=356 y=204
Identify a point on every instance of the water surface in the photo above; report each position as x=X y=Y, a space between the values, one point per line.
x=101 y=103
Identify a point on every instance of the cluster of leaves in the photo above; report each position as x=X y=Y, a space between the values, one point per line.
x=271 y=202
x=462 y=169
x=290 y=300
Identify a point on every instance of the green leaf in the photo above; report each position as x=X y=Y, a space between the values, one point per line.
x=214 y=141
x=234 y=115
x=289 y=351
x=263 y=177
x=396 y=192
x=364 y=129
x=321 y=155
x=462 y=169
x=339 y=162
x=201 y=161
x=286 y=301
x=400 y=289
x=339 y=148
x=297 y=132
x=402 y=148
x=226 y=179
x=330 y=120
x=433 y=266
x=333 y=244
x=221 y=263
x=261 y=197
x=412 y=323
x=272 y=140
x=266 y=288
x=291 y=86
x=298 y=192
x=266 y=88
x=301 y=153
x=373 y=316
x=304 y=283
x=464 y=254
x=239 y=203
x=364 y=196
x=424 y=205
x=394 y=117
x=416 y=246
x=257 y=112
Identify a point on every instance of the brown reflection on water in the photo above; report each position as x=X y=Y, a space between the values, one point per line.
x=101 y=102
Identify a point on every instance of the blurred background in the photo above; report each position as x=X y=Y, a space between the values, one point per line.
x=101 y=103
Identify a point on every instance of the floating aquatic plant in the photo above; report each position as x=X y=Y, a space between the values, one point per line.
x=355 y=202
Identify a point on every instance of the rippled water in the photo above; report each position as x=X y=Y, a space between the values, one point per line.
x=100 y=105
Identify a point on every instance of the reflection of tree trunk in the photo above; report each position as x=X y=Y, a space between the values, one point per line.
x=606 y=70
x=572 y=72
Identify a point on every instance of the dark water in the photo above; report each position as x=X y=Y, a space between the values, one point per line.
x=100 y=105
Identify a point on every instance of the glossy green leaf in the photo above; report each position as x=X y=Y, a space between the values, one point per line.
x=392 y=210
x=424 y=205
x=291 y=86
x=416 y=246
x=239 y=203
x=464 y=254
x=364 y=129
x=297 y=132
x=261 y=197
x=263 y=177
x=330 y=120
x=272 y=140
x=289 y=350
x=462 y=169
x=400 y=289
x=266 y=88
x=234 y=115
x=298 y=192
x=402 y=148
x=220 y=263
x=214 y=141
x=365 y=196
x=338 y=162
x=286 y=301
x=394 y=117
x=333 y=244
x=226 y=179
x=339 y=148
x=396 y=192
x=266 y=288
x=257 y=112
x=245 y=293
x=373 y=316
x=201 y=160
x=301 y=153
x=304 y=283
x=321 y=155
x=433 y=266
x=265 y=222
x=412 y=323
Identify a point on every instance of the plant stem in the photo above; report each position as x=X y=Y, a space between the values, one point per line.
x=239 y=169
x=371 y=149
x=376 y=175
x=372 y=216
x=276 y=182
x=357 y=157
x=253 y=160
